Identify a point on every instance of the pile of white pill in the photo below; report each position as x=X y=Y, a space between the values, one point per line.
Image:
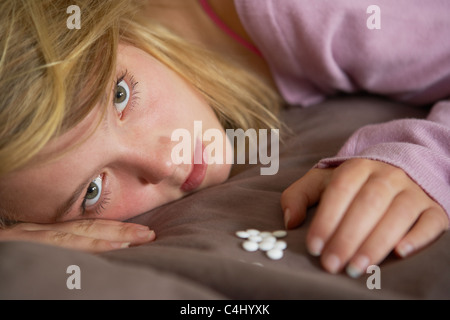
x=266 y=241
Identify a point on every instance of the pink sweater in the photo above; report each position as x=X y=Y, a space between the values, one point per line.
x=318 y=48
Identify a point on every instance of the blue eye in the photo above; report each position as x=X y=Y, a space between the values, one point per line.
x=93 y=192
x=121 y=96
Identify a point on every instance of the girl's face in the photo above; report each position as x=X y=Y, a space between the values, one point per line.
x=125 y=167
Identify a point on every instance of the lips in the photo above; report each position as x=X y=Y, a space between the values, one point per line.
x=198 y=172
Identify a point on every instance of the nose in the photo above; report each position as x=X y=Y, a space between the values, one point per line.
x=149 y=163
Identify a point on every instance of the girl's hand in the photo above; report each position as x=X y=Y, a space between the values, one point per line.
x=91 y=235
x=367 y=209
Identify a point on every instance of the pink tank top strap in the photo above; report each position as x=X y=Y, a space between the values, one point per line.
x=215 y=18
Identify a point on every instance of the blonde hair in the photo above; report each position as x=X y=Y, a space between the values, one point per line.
x=52 y=77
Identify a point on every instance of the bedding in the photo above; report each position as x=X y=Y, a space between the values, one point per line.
x=197 y=255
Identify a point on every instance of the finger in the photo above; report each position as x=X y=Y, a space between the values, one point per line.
x=99 y=229
x=366 y=210
x=109 y=230
x=64 y=239
x=430 y=225
x=400 y=216
x=337 y=197
x=302 y=194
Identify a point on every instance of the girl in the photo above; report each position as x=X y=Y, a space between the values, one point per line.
x=87 y=115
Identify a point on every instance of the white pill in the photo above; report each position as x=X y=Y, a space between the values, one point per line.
x=266 y=245
x=270 y=239
x=255 y=238
x=265 y=234
x=250 y=246
x=242 y=234
x=279 y=233
x=280 y=244
x=275 y=254
x=253 y=232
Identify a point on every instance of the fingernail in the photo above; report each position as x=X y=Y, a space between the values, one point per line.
x=287 y=217
x=332 y=263
x=315 y=246
x=357 y=266
x=145 y=234
x=405 y=249
x=119 y=245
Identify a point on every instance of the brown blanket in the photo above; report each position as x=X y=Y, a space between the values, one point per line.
x=197 y=255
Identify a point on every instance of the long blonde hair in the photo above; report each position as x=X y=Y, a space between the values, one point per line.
x=51 y=77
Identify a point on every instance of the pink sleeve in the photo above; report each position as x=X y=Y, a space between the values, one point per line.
x=316 y=49
x=421 y=147
x=319 y=48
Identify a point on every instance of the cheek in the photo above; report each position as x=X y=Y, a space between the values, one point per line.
x=123 y=209
x=136 y=200
x=131 y=197
x=174 y=103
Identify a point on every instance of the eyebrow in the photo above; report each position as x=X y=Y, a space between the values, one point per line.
x=67 y=207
